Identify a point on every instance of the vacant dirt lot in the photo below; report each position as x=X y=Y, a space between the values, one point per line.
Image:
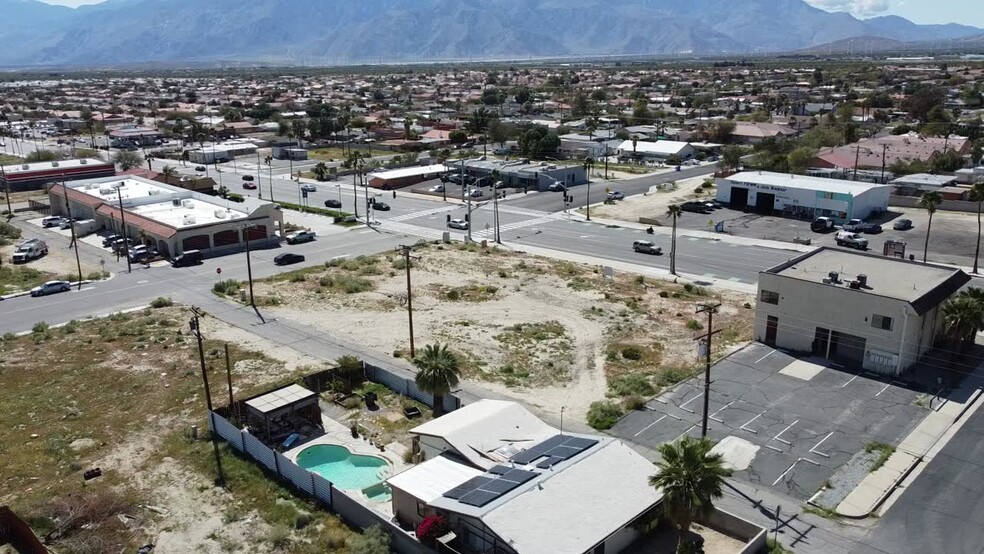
x=120 y=394
x=554 y=334
x=653 y=204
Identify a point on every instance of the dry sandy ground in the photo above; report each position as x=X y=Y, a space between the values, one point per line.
x=566 y=365
x=652 y=204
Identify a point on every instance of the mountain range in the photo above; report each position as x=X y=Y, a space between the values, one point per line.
x=328 y=32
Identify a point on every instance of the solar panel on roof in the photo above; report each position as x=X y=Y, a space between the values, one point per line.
x=478 y=498
x=500 y=470
x=467 y=487
x=500 y=486
x=580 y=443
x=549 y=462
x=536 y=451
x=519 y=476
x=563 y=452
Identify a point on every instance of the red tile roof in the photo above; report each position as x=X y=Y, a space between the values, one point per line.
x=147 y=224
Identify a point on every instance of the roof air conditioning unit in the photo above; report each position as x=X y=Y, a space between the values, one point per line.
x=187 y=203
x=83 y=161
x=834 y=277
x=175 y=202
x=54 y=164
x=855 y=285
x=220 y=214
x=25 y=166
x=863 y=280
x=153 y=192
x=105 y=191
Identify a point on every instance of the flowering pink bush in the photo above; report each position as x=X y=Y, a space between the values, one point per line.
x=431 y=528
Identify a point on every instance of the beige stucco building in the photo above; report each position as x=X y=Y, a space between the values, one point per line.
x=861 y=310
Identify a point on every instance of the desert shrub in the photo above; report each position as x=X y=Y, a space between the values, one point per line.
x=326 y=281
x=453 y=294
x=603 y=415
x=352 y=285
x=633 y=402
x=227 y=286
x=97 y=275
x=40 y=327
x=632 y=352
x=162 y=302
x=70 y=327
x=279 y=537
x=694 y=325
x=374 y=540
x=664 y=294
x=298 y=278
x=632 y=384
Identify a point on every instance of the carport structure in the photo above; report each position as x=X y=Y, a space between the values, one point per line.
x=803 y=419
x=277 y=413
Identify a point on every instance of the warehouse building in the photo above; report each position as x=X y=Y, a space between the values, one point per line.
x=34 y=176
x=170 y=219
x=536 y=176
x=222 y=152
x=802 y=197
x=404 y=176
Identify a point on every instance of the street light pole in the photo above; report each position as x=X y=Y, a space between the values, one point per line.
x=126 y=239
x=259 y=184
x=71 y=224
x=249 y=273
x=196 y=329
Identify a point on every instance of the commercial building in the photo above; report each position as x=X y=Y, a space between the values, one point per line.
x=918 y=183
x=659 y=150
x=34 y=176
x=405 y=176
x=537 y=176
x=222 y=152
x=802 y=197
x=861 y=310
x=511 y=484
x=172 y=219
x=139 y=136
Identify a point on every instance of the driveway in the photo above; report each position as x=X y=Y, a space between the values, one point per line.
x=796 y=421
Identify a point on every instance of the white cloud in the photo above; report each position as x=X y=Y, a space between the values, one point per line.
x=859 y=8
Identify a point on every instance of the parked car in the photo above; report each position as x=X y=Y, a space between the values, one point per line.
x=436 y=188
x=853 y=240
x=308 y=187
x=108 y=241
x=189 y=257
x=695 y=207
x=380 y=206
x=646 y=247
x=249 y=186
x=482 y=182
x=902 y=225
x=29 y=250
x=853 y=225
x=616 y=195
x=200 y=168
x=822 y=225
x=333 y=204
x=502 y=151
x=288 y=258
x=121 y=244
x=300 y=236
x=67 y=224
x=247 y=177
x=871 y=228
x=557 y=187
x=52 y=221
x=51 y=287
x=456 y=179
x=458 y=224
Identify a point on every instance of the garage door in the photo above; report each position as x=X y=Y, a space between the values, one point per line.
x=765 y=203
x=847 y=349
x=739 y=198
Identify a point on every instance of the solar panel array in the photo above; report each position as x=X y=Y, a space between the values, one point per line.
x=479 y=491
x=556 y=449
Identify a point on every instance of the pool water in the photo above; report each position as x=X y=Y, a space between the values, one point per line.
x=345 y=470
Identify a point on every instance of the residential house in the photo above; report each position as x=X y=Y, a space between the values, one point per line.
x=660 y=150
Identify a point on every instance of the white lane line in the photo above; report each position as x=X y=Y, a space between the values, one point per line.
x=771 y=352
x=719 y=411
x=790 y=468
x=745 y=428
x=788 y=427
x=885 y=388
x=851 y=381
x=684 y=405
x=644 y=429
x=817 y=445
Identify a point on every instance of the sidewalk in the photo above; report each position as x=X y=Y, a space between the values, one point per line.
x=912 y=454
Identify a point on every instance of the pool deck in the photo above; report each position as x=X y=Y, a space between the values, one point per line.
x=338 y=434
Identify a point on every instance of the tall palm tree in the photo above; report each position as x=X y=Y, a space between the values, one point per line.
x=691 y=478
x=929 y=201
x=438 y=374
x=963 y=316
x=169 y=172
x=673 y=211
x=977 y=195
x=589 y=164
x=320 y=171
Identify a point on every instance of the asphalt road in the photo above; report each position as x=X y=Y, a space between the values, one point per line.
x=943 y=510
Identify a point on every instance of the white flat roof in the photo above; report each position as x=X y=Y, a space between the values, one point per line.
x=658 y=147
x=925 y=179
x=409 y=171
x=803 y=182
x=189 y=212
x=577 y=508
x=43 y=166
x=277 y=399
x=431 y=479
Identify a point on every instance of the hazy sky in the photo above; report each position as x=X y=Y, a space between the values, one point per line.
x=968 y=12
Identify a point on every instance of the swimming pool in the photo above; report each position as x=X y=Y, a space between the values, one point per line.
x=345 y=470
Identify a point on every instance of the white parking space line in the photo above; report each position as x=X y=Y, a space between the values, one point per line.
x=719 y=411
x=817 y=445
x=770 y=447
x=788 y=427
x=771 y=352
x=646 y=428
x=885 y=388
x=749 y=422
x=788 y=469
x=851 y=381
x=684 y=405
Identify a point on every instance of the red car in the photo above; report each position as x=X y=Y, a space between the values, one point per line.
x=249 y=186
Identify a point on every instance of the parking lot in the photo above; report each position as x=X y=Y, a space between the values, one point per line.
x=802 y=421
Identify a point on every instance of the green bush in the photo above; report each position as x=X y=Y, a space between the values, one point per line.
x=235 y=197
x=632 y=384
x=162 y=302
x=298 y=278
x=633 y=402
x=228 y=286
x=632 y=352
x=70 y=327
x=374 y=540
x=603 y=415
x=8 y=231
x=352 y=285
x=453 y=294
x=97 y=275
x=40 y=327
x=326 y=281
x=694 y=325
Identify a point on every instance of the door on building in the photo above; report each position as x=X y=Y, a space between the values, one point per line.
x=739 y=198
x=821 y=342
x=771 y=329
x=847 y=349
x=765 y=203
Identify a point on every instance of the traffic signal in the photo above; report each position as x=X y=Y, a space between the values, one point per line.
x=394 y=194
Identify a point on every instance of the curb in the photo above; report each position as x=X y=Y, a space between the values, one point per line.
x=881 y=499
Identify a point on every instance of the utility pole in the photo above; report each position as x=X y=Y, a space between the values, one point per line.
x=259 y=184
x=196 y=329
x=126 y=239
x=857 y=159
x=709 y=309
x=405 y=250
x=249 y=273
x=884 y=150
x=229 y=377
x=6 y=189
x=71 y=224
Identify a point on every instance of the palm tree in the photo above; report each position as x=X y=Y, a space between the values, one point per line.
x=439 y=373
x=963 y=316
x=320 y=171
x=691 y=478
x=977 y=195
x=588 y=166
x=185 y=156
x=673 y=211
x=929 y=201
x=169 y=172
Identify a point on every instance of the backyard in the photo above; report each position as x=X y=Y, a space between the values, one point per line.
x=121 y=394
x=550 y=333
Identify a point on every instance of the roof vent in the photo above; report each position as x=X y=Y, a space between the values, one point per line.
x=220 y=214
x=83 y=161
x=189 y=220
x=175 y=202
x=863 y=280
x=25 y=166
x=856 y=285
x=54 y=164
x=834 y=277
x=187 y=203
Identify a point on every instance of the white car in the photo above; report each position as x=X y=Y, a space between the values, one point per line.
x=300 y=236
x=458 y=224
x=52 y=221
x=308 y=187
x=476 y=193
x=51 y=287
x=436 y=188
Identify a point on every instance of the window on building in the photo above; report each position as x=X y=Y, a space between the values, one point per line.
x=881 y=322
x=769 y=297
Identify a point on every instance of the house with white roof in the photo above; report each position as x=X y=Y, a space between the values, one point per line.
x=509 y=483
x=659 y=150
